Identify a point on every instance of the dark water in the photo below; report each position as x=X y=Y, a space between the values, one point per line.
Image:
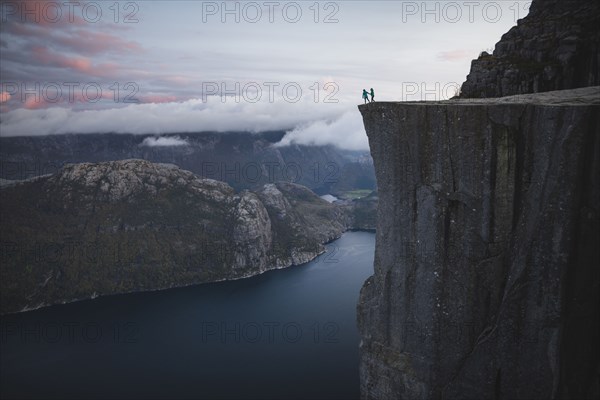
x=284 y=334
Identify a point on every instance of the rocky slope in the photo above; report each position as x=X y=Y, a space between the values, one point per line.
x=302 y=220
x=486 y=281
x=557 y=46
x=123 y=226
x=362 y=212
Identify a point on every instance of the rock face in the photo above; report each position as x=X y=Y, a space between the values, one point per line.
x=486 y=282
x=302 y=222
x=363 y=212
x=557 y=46
x=124 y=226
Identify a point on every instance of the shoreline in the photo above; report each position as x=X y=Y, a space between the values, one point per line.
x=95 y=295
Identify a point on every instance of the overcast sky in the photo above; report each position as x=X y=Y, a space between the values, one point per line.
x=161 y=67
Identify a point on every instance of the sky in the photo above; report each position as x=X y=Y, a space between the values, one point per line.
x=190 y=66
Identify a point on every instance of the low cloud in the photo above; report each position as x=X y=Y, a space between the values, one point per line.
x=346 y=132
x=306 y=122
x=164 y=141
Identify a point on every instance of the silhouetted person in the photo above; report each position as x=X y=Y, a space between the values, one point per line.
x=365 y=96
x=372 y=95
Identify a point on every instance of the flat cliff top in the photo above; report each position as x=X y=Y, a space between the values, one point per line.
x=572 y=97
x=487 y=230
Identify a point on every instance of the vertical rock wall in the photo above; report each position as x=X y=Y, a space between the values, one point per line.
x=486 y=281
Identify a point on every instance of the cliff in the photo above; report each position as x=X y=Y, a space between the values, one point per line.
x=362 y=212
x=486 y=282
x=124 y=226
x=556 y=47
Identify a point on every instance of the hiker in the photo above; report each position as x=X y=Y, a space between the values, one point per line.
x=372 y=95
x=366 y=96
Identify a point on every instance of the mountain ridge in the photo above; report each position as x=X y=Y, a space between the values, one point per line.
x=130 y=225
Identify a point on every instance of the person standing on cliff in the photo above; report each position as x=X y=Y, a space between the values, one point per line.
x=366 y=96
x=372 y=95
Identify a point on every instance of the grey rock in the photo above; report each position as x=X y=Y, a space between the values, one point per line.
x=96 y=229
x=486 y=282
x=556 y=46
x=362 y=212
x=252 y=233
x=303 y=220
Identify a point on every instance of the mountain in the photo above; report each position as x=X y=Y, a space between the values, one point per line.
x=94 y=229
x=486 y=282
x=362 y=212
x=555 y=47
x=486 y=279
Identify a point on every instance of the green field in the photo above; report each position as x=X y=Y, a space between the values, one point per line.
x=355 y=194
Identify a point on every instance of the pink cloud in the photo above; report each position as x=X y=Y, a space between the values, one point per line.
x=4 y=97
x=44 y=13
x=88 y=42
x=157 y=98
x=76 y=63
x=454 y=55
x=41 y=102
x=34 y=103
x=106 y=70
x=80 y=64
x=178 y=80
x=83 y=38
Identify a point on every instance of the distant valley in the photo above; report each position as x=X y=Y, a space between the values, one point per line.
x=77 y=226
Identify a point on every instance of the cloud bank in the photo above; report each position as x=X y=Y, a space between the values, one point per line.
x=306 y=122
x=347 y=132
x=169 y=77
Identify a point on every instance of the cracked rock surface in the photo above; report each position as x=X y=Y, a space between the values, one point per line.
x=555 y=47
x=486 y=282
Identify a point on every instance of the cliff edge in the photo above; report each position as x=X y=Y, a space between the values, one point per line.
x=486 y=282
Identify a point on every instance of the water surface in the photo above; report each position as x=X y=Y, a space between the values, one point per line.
x=288 y=333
